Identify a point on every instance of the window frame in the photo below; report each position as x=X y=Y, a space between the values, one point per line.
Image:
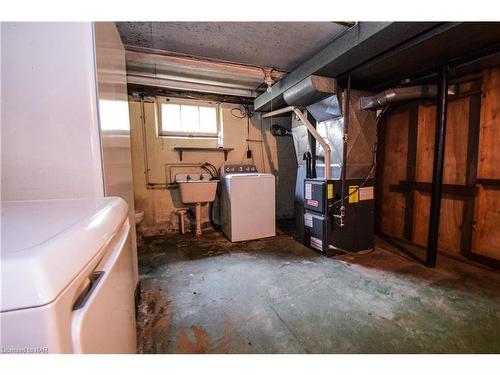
x=192 y=102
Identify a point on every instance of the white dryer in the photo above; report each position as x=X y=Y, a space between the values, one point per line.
x=247 y=203
x=67 y=277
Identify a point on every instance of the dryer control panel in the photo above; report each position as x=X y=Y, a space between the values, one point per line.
x=238 y=168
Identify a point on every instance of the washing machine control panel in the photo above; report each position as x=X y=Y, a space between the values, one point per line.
x=239 y=168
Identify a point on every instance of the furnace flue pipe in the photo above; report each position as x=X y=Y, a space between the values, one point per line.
x=437 y=174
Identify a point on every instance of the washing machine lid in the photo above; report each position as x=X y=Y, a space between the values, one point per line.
x=248 y=176
x=45 y=244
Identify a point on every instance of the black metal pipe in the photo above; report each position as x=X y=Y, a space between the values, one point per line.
x=307 y=157
x=437 y=173
x=312 y=146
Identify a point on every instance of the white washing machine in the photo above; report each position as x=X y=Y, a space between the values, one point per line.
x=248 y=209
x=67 y=276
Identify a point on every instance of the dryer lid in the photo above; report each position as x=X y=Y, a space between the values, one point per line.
x=45 y=244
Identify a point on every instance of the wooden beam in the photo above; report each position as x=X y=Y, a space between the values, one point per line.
x=407 y=248
x=490 y=262
x=180 y=85
x=426 y=187
x=489 y=183
x=135 y=91
x=394 y=242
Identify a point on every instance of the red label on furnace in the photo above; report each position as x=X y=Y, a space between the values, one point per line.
x=312 y=202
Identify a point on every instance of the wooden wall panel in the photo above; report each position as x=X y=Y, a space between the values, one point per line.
x=396 y=150
x=423 y=172
x=454 y=173
x=421 y=218
x=489 y=137
x=486 y=233
x=455 y=167
x=456 y=142
x=455 y=161
x=425 y=142
x=449 y=223
x=486 y=237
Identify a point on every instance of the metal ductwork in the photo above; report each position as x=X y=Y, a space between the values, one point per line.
x=401 y=94
x=309 y=91
x=358 y=45
x=325 y=109
x=185 y=73
x=318 y=95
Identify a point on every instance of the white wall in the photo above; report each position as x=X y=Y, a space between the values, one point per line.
x=50 y=139
x=114 y=119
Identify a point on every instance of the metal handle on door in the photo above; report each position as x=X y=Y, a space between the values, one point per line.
x=82 y=299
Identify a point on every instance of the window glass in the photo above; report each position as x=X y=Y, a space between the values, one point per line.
x=208 y=120
x=187 y=119
x=190 y=118
x=171 y=117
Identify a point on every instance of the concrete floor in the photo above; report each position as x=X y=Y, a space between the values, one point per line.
x=276 y=296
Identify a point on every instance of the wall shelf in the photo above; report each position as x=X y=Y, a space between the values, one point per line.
x=226 y=150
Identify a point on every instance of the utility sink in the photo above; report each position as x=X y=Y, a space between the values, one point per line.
x=196 y=188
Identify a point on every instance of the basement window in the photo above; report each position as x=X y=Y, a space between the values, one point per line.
x=188 y=118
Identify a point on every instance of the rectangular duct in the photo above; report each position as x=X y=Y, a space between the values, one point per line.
x=310 y=90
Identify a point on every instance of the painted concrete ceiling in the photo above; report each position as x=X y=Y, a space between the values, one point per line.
x=281 y=45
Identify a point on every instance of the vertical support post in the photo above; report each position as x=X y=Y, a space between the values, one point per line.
x=411 y=166
x=437 y=174
x=379 y=173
